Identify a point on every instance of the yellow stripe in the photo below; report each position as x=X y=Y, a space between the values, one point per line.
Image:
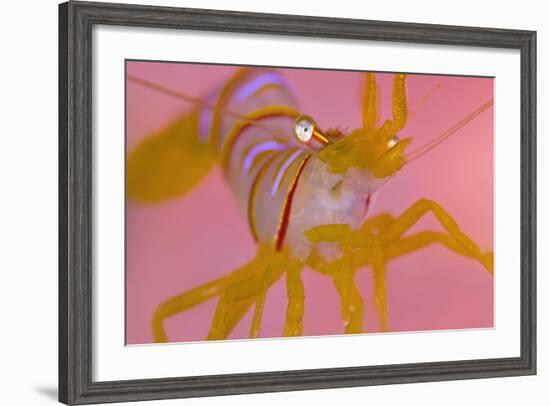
x=268 y=86
x=260 y=158
x=245 y=122
x=221 y=103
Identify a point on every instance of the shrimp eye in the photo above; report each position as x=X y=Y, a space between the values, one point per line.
x=393 y=141
x=304 y=127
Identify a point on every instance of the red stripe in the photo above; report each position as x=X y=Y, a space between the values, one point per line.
x=367 y=203
x=286 y=210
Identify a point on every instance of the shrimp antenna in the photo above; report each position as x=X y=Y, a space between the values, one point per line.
x=198 y=102
x=417 y=153
x=424 y=99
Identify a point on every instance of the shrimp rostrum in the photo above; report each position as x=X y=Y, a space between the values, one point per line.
x=306 y=193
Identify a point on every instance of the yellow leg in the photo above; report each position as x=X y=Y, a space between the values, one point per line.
x=186 y=300
x=296 y=298
x=381 y=239
x=365 y=248
x=356 y=253
x=268 y=266
x=359 y=248
x=232 y=299
x=416 y=241
x=232 y=311
x=258 y=314
x=395 y=231
x=392 y=244
x=231 y=304
x=218 y=329
x=377 y=223
x=219 y=287
x=236 y=314
x=259 y=309
x=351 y=301
x=423 y=239
x=380 y=292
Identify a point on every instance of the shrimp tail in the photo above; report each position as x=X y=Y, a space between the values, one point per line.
x=169 y=163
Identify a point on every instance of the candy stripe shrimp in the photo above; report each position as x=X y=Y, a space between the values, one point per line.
x=307 y=194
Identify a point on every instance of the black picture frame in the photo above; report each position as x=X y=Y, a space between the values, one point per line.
x=76 y=20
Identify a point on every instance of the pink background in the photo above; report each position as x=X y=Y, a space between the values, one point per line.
x=177 y=245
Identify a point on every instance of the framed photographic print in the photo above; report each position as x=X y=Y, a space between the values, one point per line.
x=258 y=202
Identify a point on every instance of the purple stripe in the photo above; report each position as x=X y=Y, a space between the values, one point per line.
x=205 y=117
x=204 y=122
x=258 y=149
x=257 y=83
x=282 y=171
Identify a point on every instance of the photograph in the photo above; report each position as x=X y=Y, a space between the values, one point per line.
x=270 y=202
x=275 y=199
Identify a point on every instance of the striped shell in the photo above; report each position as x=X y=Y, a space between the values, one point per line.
x=282 y=189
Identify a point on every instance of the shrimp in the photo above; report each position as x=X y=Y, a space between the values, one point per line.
x=306 y=193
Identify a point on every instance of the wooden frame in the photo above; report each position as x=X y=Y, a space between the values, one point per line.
x=76 y=20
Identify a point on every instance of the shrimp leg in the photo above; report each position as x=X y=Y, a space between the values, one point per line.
x=421 y=240
x=393 y=245
x=381 y=239
x=460 y=242
x=342 y=270
x=343 y=277
x=296 y=298
x=268 y=267
x=350 y=299
x=193 y=297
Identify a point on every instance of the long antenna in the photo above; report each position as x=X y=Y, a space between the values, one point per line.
x=199 y=102
x=423 y=100
x=417 y=153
